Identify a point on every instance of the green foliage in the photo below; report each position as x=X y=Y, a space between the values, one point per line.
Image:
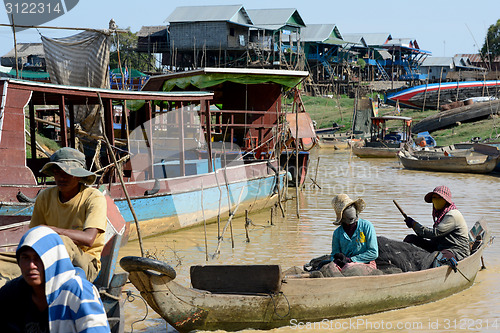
x=492 y=41
x=361 y=63
x=129 y=55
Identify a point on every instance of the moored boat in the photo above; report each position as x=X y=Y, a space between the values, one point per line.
x=249 y=108
x=432 y=95
x=384 y=142
x=468 y=158
x=448 y=118
x=175 y=175
x=232 y=298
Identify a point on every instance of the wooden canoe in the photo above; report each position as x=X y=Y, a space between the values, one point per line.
x=375 y=152
x=298 y=299
x=468 y=158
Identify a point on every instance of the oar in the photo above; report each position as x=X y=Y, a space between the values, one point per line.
x=400 y=209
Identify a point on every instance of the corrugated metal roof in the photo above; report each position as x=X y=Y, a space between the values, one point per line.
x=317 y=32
x=406 y=42
x=26 y=49
x=230 y=13
x=276 y=17
x=437 y=62
x=370 y=38
x=157 y=30
x=476 y=57
x=354 y=39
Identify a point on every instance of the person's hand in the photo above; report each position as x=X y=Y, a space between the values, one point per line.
x=341 y=259
x=410 y=222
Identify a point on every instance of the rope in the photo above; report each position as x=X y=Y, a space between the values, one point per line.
x=275 y=305
x=130 y=298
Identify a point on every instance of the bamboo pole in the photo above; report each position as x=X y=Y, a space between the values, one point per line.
x=110 y=150
x=204 y=223
x=59 y=28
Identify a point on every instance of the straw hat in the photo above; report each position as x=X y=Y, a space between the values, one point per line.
x=443 y=191
x=341 y=201
x=72 y=162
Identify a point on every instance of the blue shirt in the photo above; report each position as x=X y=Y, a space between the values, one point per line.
x=362 y=247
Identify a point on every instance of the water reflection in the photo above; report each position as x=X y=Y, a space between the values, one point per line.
x=294 y=241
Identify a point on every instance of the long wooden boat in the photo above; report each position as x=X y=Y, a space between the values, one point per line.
x=447 y=92
x=249 y=107
x=276 y=300
x=469 y=158
x=383 y=143
x=461 y=114
x=174 y=180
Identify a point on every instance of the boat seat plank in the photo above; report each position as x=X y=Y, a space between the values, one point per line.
x=237 y=278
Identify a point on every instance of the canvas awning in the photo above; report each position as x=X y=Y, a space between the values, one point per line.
x=306 y=127
x=209 y=77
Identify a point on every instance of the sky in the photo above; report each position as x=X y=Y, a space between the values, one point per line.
x=443 y=27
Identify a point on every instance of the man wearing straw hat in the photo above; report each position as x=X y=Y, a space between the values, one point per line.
x=355 y=241
x=74 y=210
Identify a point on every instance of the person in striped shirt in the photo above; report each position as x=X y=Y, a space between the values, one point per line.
x=51 y=295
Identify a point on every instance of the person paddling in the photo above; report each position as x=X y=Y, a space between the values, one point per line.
x=449 y=234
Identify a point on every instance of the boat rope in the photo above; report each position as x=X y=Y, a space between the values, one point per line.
x=130 y=298
x=276 y=307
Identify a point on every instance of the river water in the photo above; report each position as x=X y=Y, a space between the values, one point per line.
x=293 y=241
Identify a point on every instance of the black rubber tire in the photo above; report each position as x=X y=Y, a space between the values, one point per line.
x=134 y=264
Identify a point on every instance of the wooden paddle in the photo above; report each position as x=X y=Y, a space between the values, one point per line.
x=400 y=209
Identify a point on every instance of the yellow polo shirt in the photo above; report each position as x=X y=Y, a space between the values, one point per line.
x=85 y=210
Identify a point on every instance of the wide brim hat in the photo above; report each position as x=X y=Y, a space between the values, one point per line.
x=342 y=201
x=72 y=162
x=443 y=191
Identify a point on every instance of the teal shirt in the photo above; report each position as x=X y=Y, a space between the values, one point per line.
x=362 y=247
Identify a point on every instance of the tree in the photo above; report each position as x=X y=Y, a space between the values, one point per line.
x=128 y=53
x=491 y=44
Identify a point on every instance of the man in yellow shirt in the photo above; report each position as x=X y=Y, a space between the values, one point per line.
x=74 y=210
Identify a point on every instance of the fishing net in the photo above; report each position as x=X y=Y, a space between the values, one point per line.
x=397 y=256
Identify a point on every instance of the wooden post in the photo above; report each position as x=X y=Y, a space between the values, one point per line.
x=182 y=155
x=297 y=183
x=62 y=121
x=425 y=93
x=32 y=130
x=439 y=88
x=72 y=136
x=205 y=107
x=15 y=45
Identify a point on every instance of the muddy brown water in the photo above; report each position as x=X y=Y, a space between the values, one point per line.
x=293 y=241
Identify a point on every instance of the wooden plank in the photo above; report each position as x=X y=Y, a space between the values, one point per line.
x=237 y=278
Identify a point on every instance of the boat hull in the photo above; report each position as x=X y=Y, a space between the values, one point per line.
x=468 y=159
x=372 y=152
x=429 y=96
x=300 y=299
x=186 y=201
